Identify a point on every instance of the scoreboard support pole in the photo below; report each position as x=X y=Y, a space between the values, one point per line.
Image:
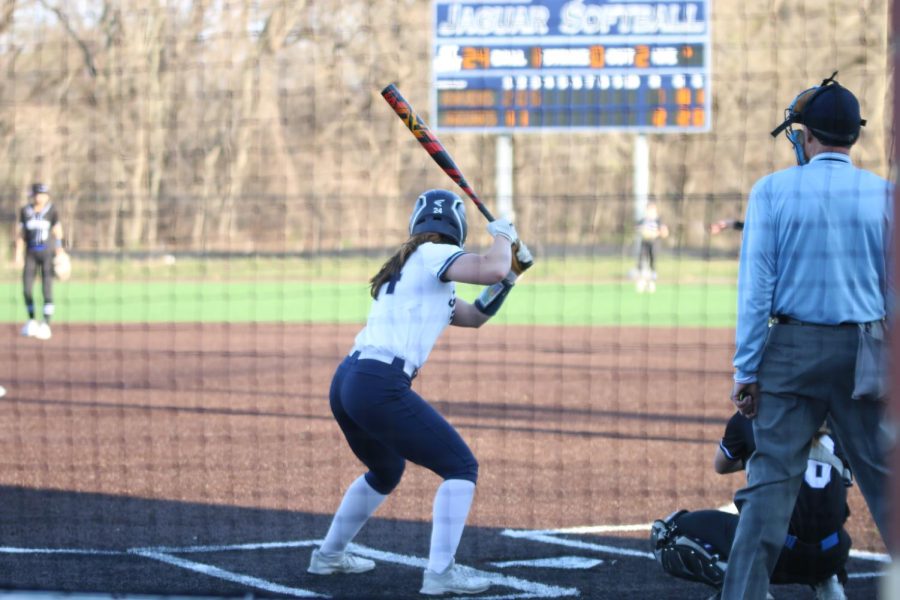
x=505 y=164
x=641 y=175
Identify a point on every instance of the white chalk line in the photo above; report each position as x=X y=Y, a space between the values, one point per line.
x=557 y=562
x=229 y=547
x=529 y=589
x=549 y=537
x=72 y=551
x=867 y=575
x=226 y=575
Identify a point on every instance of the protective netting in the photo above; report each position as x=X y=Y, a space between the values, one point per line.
x=227 y=179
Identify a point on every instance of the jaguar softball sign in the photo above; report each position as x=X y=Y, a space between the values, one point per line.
x=520 y=65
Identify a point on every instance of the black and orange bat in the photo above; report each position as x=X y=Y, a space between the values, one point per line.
x=522 y=258
x=432 y=145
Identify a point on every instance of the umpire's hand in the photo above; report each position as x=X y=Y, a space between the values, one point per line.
x=746 y=397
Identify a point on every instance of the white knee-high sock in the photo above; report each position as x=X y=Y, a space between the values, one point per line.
x=359 y=502
x=451 y=507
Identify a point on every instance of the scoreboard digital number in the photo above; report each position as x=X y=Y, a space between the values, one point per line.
x=538 y=65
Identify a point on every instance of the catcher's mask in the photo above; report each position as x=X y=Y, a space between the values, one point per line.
x=440 y=211
x=829 y=110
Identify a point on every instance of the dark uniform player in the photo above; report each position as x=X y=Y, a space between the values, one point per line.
x=650 y=230
x=696 y=545
x=38 y=240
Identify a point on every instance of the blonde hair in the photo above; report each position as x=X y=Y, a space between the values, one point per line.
x=392 y=266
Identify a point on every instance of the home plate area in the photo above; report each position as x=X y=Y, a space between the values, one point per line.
x=586 y=562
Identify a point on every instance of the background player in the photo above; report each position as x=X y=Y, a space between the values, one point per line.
x=384 y=421
x=723 y=224
x=696 y=545
x=39 y=238
x=650 y=229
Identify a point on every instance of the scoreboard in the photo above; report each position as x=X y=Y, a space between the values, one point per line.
x=539 y=65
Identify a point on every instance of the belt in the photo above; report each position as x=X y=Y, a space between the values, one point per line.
x=785 y=320
x=386 y=357
x=825 y=544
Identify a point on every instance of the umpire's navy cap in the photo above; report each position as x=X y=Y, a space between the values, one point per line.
x=39 y=188
x=833 y=116
x=829 y=110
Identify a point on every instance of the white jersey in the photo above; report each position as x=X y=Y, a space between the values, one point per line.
x=412 y=311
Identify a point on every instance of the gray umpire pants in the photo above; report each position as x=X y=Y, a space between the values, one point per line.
x=806 y=375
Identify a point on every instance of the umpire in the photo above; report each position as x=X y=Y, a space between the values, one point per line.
x=812 y=292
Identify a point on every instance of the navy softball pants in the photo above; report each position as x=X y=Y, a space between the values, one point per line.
x=386 y=423
x=34 y=260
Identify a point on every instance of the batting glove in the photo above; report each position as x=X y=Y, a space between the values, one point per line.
x=503 y=227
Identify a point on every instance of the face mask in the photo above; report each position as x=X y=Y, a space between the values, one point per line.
x=794 y=114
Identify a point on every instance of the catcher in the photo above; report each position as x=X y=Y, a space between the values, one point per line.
x=696 y=545
x=39 y=245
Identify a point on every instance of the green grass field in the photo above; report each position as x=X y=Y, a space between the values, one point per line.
x=559 y=292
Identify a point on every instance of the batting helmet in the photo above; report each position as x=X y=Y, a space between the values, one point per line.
x=829 y=110
x=440 y=211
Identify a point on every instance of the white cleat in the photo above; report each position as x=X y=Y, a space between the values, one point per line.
x=320 y=564
x=2 y=391
x=43 y=332
x=455 y=579
x=30 y=328
x=830 y=589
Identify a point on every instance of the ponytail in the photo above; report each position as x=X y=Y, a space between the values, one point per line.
x=391 y=268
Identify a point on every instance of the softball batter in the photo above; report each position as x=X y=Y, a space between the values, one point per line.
x=385 y=422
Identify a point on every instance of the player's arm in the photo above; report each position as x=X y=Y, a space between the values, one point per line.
x=19 y=253
x=466 y=315
x=491 y=267
x=57 y=232
x=724 y=465
x=488 y=303
x=736 y=446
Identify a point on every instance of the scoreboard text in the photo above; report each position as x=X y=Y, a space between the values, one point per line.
x=572 y=64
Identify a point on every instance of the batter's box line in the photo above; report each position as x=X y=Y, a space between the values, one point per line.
x=168 y=555
x=550 y=536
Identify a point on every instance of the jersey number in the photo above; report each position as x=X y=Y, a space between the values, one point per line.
x=818 y=474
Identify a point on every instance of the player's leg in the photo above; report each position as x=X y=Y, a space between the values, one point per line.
x=643 y=266
x=694 y=545
x=363 y=497
x=820 y=565
x=790 y=380
x=864 y=436
x=45 y=262
x=436 y=445
x=28 y=273
x=416 y=431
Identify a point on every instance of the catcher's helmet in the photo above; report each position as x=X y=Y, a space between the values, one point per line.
x=829 y=110
x=440 y=211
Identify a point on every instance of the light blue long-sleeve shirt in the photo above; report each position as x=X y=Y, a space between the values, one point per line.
x=815 y=248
